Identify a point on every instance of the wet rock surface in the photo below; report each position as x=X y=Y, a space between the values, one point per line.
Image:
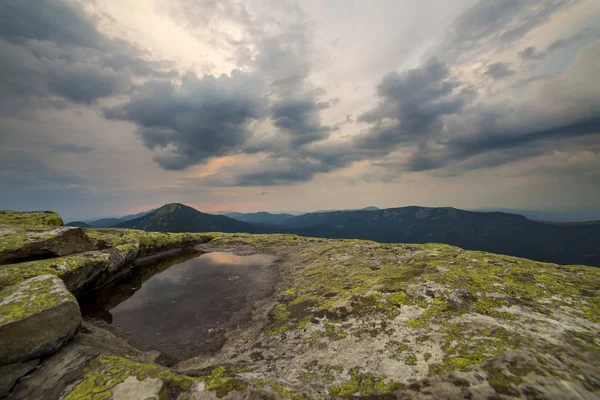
x=185 y=309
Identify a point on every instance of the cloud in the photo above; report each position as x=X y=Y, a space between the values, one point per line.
x=531 y=52
x=199 y=118
x=71 y=148
x=411 y=106
x=499 y=70
x=550 y=113
x=492 y=26
x=299 y=117
x=52 y=54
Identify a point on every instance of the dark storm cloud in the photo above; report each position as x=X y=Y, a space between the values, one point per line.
x=505 y=147
x=276 y=47
x=471 y=135
x=499 y=70
x=411 y=105
x=52 y=54
x=299 y=117
x=51 y=20
x=71 y=148
x=196 y=120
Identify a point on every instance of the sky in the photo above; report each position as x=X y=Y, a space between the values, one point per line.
x=110 y=107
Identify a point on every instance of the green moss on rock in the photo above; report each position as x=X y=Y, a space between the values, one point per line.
x=49 y=218
x=364 y=384
x=103 y=374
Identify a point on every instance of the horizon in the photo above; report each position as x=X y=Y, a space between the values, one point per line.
x=540 y=215
x=113 y=108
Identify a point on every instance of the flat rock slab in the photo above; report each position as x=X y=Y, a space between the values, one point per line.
x=49 y=218
x=22 y=243
x=37 y=317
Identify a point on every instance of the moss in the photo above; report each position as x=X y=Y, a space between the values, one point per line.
x=104 y=373
x=503 y=383
x=31 y=297
x=398 y=298
x=277 y=388
x=364 y=384
x=411 y=359
x=48 y=218
x=59 y=266
x=308 y=377
x=520 y=367
x=220 y=383
x=426 y=356
x=462 y=351
x=331 y=331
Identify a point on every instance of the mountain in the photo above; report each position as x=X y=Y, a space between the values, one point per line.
x=549 y=215
x=176 y=217
x=104 y=222
x=79 y=224
x=111 y=221
x=497 y=232
x=261 y=217
x=370 y=208
x=492 y=231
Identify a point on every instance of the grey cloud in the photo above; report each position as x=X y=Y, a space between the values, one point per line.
x=495 y=24
x=277 y=45
x=499 y=70
x=531 y=53
x=554 y=112
x=299 y=117
x=50 y=20
x=200 y=118
x=20 y=169
x=71 y=148
x=499 y=148
x=411 y=106
x=52 y=54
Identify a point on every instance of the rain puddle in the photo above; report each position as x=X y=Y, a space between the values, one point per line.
x=184 y=307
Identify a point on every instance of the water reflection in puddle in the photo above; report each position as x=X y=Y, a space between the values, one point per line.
x=185 y=309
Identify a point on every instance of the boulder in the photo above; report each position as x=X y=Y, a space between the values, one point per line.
x=79 y=271
x=49 y=218
x=23 y=243
x=37 y=317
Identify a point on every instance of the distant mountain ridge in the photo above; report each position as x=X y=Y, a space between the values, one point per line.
x=492 y=231
x=177 y=217
x=108 y=221
x=261 y=217
x=496 y=232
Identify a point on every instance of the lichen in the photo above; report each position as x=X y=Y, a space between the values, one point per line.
x=49 y=218
x=502 y=382
x=104 y=373
x=222 y=384
x=29 y=298
x=364 y=384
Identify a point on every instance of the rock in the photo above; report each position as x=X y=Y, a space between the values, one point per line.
x=78 y=271
x=48 y=218
x=21 y=243
x=37 y=317
x=61 y=369
x=9 y=374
